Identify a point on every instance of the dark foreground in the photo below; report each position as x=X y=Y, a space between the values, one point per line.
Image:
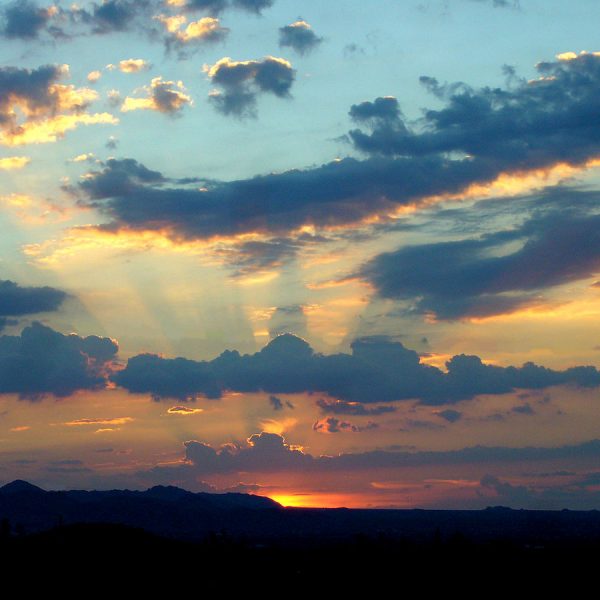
x=189 y=542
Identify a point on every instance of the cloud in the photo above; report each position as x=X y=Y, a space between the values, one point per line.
x=133 y=65
x=184 y=410
x=11 y=163
x=49 y=108
x=384 y=109
x=278 y=404
x=530 y=124
x=25 y=20
x=299 y=36
x=378 y=370
x=167 y=97
x=42 y=361
x=243 y=81
x=255 y=256
x=496 y=273
x=181 y=34
x=94 y=76
x=118 y=176
x=479 y=135
x=114 y=15
x=17 y=301
x=341 y=407
x=99 y=421
x=269 y=452
x=177 y=378
x=450 y=415
x=255 y=6
x=334 y=425
x=215 y=7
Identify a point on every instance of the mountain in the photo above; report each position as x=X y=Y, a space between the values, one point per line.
x=182 y=515
x=163 y=510
x=18 y=486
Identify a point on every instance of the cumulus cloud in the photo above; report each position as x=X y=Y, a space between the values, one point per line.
x=531 y=124
x=299 y=36
x=269 y=452
x=49 y=108
x=42 y=361
x=167 y=97
x=94 y=76
x=378 y=370
x=25 y=20
x=242 y=81
x=133 y=65
x=114 y=15
x=478 y=136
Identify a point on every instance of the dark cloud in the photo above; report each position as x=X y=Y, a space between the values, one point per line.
x=299 y=36
x=32 y=97
x=116 y=15
x=279 y=404
x=257 y=255
x=378 y=370
x=216 y=7
x=341 y=407
x=32 y=89
x=380 y=110
x=531 y=124
x=212 y=7
x=120 y=177
x=493 y=274
x=523 y=409
x=177 y=378
x=16 y=301
x=334 y=425
x=167 y=97
x=255 y=6
x=261 y=450
x=42 y=361
x=478 y=135
x=450 y=415
x=337 y=193
x=269 y=452
x=242 y=81
x=276 y=403
x=25 y=20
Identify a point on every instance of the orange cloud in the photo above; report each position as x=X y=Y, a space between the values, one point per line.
x=13 y=162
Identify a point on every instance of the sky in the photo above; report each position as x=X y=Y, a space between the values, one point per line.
x=335 y=253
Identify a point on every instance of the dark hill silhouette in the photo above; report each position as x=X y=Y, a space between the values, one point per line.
x=19 y=486
x=180 y=514
x=169 y=538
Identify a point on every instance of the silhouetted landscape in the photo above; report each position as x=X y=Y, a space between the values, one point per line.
x=253 y=536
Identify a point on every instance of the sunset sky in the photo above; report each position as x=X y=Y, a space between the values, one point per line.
x=336 y=253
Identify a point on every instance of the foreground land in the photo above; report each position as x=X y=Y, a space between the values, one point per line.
x=235 y=538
